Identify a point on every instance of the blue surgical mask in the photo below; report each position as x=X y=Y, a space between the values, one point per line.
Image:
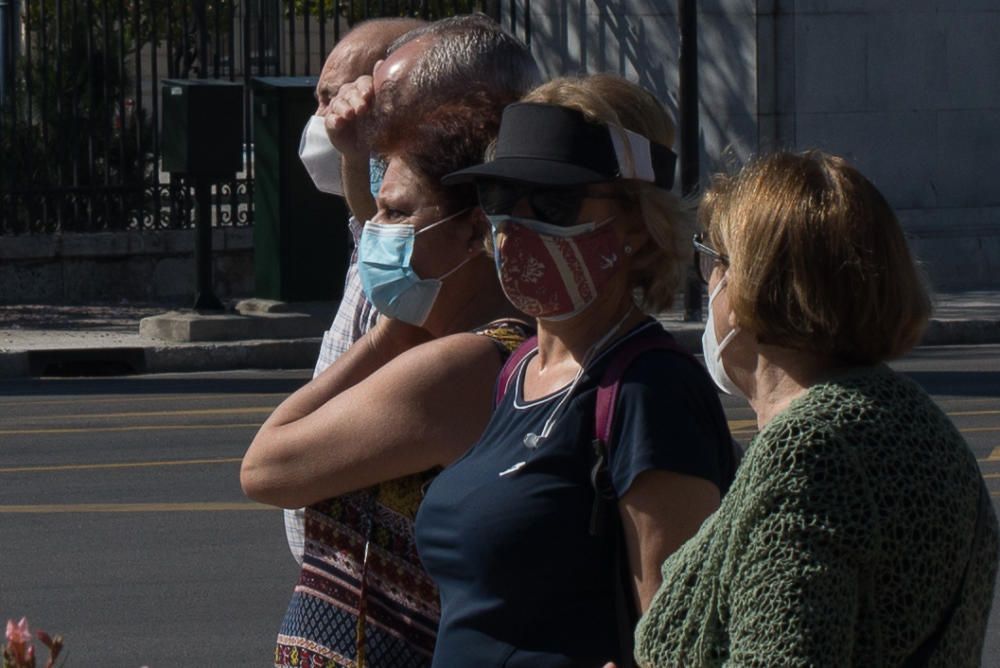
x=385 y=254
x=376 y=172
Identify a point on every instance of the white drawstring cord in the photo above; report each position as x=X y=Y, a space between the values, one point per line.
x=532 y=440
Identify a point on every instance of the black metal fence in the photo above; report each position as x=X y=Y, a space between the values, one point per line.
x=80 y=89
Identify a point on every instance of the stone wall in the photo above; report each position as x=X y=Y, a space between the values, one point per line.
x=105 y=267
x=909 y=91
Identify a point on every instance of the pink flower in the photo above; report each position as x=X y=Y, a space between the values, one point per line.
x=19 y=652
x=18 y=634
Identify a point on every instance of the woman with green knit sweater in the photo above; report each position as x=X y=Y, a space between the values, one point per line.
x=858 y=531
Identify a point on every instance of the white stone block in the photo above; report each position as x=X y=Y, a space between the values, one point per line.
x=968 y=158
x=830 y=63
x=896 y=150
x=905 y=62
x=972 y=60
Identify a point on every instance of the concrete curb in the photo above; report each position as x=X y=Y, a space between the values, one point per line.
x=159 y=358
x=13 y=364
x=273 y=354
x=300 y=353
x=961 y=332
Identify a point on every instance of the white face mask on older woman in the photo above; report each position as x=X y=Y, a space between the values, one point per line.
x=713 y=348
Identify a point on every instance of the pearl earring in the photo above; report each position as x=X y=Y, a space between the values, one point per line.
x=627 y=249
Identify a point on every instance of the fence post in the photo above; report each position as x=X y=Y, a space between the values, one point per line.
x=687 y=17
x=204 y=296
x=8 y=42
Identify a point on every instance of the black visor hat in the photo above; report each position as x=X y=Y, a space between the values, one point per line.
x=550 y=145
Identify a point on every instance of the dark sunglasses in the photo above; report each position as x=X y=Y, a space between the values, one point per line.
x=705 y=258
x=554 y=205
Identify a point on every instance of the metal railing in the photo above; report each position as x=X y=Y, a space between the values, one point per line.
x=80 y=89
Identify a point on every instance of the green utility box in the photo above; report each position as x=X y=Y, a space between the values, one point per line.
x=301 y=241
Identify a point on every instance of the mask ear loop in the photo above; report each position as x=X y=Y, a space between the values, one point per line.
x=460 y=265
x=733 y=332
x=444 y=220
x=463 y=262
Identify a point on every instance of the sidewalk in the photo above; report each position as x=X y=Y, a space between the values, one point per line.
x=104 y=339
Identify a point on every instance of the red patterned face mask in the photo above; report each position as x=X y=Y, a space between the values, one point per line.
x=553 y=272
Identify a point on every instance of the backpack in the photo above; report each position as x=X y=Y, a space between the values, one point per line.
x=603 y=517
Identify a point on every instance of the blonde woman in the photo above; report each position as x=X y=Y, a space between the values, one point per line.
x=578 y=197
x=858 y=532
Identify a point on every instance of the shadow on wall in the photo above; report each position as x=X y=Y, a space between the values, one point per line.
x=640 y=40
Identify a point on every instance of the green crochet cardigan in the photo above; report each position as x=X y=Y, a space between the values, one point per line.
x=841 y=542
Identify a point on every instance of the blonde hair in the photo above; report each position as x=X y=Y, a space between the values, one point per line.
x=658 y=267
x=817 y=259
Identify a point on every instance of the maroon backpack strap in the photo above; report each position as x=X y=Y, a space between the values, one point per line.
x=603 y=517
x=508 y=369
x=653 y=337
x=607 y=389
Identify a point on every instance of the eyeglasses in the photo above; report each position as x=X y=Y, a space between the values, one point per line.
x=555 y=205
x=705 y=258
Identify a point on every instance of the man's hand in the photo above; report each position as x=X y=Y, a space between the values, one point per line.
x=346 y=116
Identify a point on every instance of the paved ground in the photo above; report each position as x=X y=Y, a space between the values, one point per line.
x=122 y=499
x=38 y=340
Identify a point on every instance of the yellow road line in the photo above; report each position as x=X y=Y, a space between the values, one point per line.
x=131 y=508
x=122 y=465
x=179 y=413
x=977 y=430
x=965 y=401
x=148 y=427
x=159 y=398
x=741 y=424
x=963 y=413
x=994 y=456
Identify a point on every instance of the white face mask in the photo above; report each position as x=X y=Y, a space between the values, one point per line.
x=713 y=349
x=320 y=158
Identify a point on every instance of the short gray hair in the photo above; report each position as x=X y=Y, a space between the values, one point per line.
x=471 y=48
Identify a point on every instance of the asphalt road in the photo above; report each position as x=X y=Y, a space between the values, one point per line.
x=123 y=527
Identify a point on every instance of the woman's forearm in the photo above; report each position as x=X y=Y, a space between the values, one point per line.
x=276 y=455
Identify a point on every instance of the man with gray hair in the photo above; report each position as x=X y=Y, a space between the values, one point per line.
x=427 y=66
x=340 y=613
